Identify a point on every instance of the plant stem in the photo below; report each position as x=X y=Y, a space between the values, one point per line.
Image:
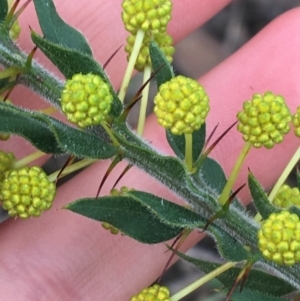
x=285 y=174
x=133 y=57
x=189 y=151
x=190 y=288
x=235 y=171
x=144 y=101
x=28 y=159
x=69 y=169
x=110 y=134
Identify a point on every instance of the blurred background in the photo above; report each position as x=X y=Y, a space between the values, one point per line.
x=195 y=55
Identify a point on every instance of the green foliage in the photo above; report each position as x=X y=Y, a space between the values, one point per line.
x=58 y=31
x=3 y=10
x=257 y=281
x=248 y=294
x=130 y=215
x=52 y=136
x=260 y=199
x=161 y=63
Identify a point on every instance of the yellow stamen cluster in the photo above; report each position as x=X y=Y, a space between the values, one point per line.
x=296 y=122
x=181 y=105
x=287 y=197
x=27 y=192
x=153 y=293
x=152 y=17
x=86 y=99
x=162 y=39
x=148 y=15
x=279 y=238
x=264 y=120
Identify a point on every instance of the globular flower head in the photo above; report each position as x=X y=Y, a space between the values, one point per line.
x=279 y=238
x=296 y=122
x=153 y=293
x=151 y=16
x=264 y=120
x=181 y=105
x=7 y=160
x=164 y=41
x=287 y=197
x=86 y=99
x=26 y=192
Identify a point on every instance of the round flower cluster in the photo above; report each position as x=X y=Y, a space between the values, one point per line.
x=152 y=17
x=148 y=15
x=162 y=39
x=181 y=105
x=296 y=122
x=279 y=238
x=264 y=120
x=86 y=99
x=287 y=197
x=153 y=293
x=26 y=192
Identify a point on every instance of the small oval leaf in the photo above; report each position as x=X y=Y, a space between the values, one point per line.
x=260 y=199
x=57 y=30
x=80 y=143
x=128 y=215
x=19 y=122
x=159 y=61
x=3 y=10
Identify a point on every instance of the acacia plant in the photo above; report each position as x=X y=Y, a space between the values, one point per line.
x=261 y=254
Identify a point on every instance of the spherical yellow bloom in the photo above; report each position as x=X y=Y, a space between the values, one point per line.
x=181 y=105
x=264 y=120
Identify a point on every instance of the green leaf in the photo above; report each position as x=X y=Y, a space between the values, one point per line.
x=212 y=174
x=250 y=295
x=169 y=212
x=52 y=136
x=127 y=214
x=58 y=31
x=257 y=280
x=176 y=215
x=295 y=209
x=260 y=199
x=228 y=247
x=17 y=121
x=3 y=10
x=177 y=143
x=159 y=61
x=3 y=82
x=70 y=62
x=80 y=143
